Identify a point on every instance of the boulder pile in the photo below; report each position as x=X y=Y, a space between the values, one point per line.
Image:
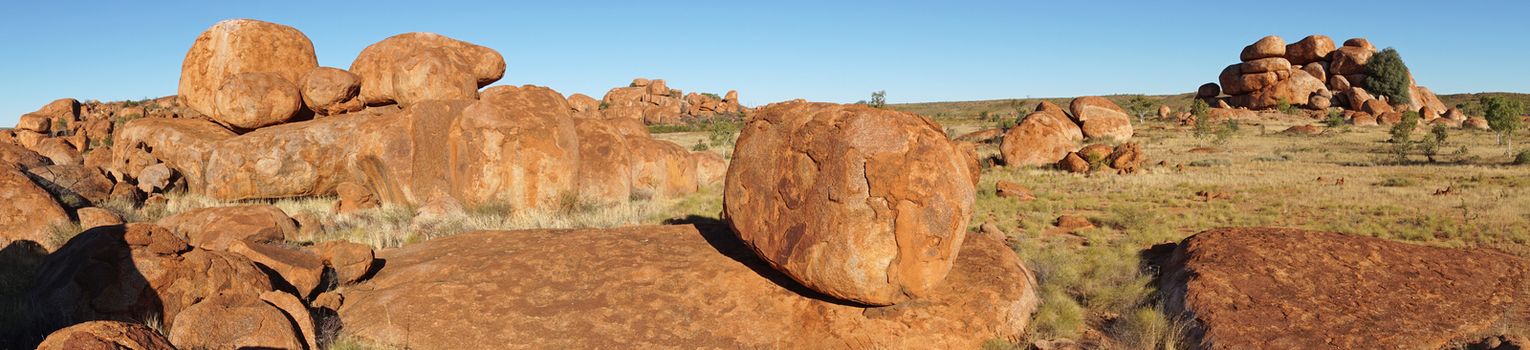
x=653 y=102
x=1052 y=136
x=1316 y=74
x=257 y=118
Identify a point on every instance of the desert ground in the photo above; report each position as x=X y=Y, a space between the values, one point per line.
x=404 y=203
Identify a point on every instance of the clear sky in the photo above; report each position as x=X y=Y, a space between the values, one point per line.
x=918 y=51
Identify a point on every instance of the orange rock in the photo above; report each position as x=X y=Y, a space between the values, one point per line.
x=1098 y=118
x=16 y=156
x=605 y=161
x=414 y=67
x=252 y=100
x=1266 y=47
x=27 y=211
x=229 y=322
x=1350 y=60
x=583 y=103
x=106 y=335
x=1008 y=189
x=1272 y=64
x=1042 y=138
x=863 y=204
x=662 y=287
x=517 y=146
x=237 y=46
x=1312 y=48
x=218 y=228
x=1073 y=163
x=301 y=270
x=353 y=197
x=351 y=261
x=331 y=91
x=1127 y=157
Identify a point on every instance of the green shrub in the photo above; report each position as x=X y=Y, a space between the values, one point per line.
x=700 y=146
x=1388 y=76
x=1285 y=107
x=1522 y=158
x=711 y=96
x=1503 y=117
x=1335 y=118
x=1403 y=131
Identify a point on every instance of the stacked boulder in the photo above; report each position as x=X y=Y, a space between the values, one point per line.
x=405 y=124
x=1053 y=136
x=653 y=102
x=1315 y=74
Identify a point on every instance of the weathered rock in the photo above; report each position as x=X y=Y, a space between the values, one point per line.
x=106 y=335
x=1008 y=189
x=1363 y=119
x=237 y=46
x=1478 y=123
x=93 y=217
x=35 y=123
x=331 y=91
x=605 y=161
x=518 y=146
x=217 y=228
x=1266 y=47
x=1070 y=223
x=1376 y=107
x=225 y=322
x=154 y=178
x=1423 y=97
x=297 y=313
x=16 y=156
x=985 y=135
x=1042 y=138
x=76 y=186
x=1284 y=288
x=248 y=101
x=1272 y=64
x=1349 y=60
x=1095 y=153
x=1295 y=91
x=1235 y=83
x=1127 y=157
x=138 y=270
x=814 y=188
x=413 y=67
x=1359 y=43
x=183 y=145
x=661 y=169
x=1312 y=48
x=27 y=211
x=1098 y=118
x=58 y=151
x=1339 y=83
x=301 y=270
x=1454 y=114
x=1073 y=163
x=1317 y=70
x=710 y=168
x=583 y=103
x=351 y=261
x=1164 y=112
x=662 y=287
x=353 y=197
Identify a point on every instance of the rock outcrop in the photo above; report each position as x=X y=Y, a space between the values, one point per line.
x=1283 y=288
x=863 y=204
x=414 y=67
x=655 y=103
x=1042 y=138
x=660 y=287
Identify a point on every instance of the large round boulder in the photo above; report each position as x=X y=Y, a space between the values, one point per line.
x=863 y=204
x=1101 y=119
x=1349 y=60
x=1042 y=138
x=605 y=161
x=241 y=46
x=413 y=67
x=248 y=101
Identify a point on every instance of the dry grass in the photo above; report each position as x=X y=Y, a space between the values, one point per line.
x=1094 y=285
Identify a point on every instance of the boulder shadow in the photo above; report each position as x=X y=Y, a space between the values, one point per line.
x=91 y=277
x=720 y=237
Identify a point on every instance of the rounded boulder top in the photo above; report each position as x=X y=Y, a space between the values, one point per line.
x=239 y=46
x=413 y=67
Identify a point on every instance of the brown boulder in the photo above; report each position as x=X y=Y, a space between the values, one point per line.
x=1312 y=48
x=1272 y=64
x=35 y=123
x=296 y=312
x=1042 y=138
x=77 y=186
x=1235 y=83
x=1423 y=97
x=248 y=101
x=1127 y=157
x=1359 y=43
x=1317 y=70
x=226 y=322
x=583 y=103
x=1478 y=123
x=1073 y=163
x=605 y=161
x=106 y=335
x=1070 y=223
x=1208 y=90
x=1095 y=153
x=1455 y=114
x=93 y=217
x=1375 y=107
x=16 y=156
x=517 y=146
x=814 y=188
x=1008 y=189
x=128 y=272
x=1164 y=112
x=710 y=168
x=1266 y=47
x=331 y=91
x=1339 y=83
x=1296 y=91
x=301 y=270
x=985 y=135
x=661 y=169
x=413 y=67
x=351 y=261
x=237 y=46
x=1349 y=60
x=662 y=287
x=27 y=211
x=353 y=197
x=217 y=228
x=58 y=151
x=1293 y=289
x=1363 y=119
x=1098 y=118
x=183 y=144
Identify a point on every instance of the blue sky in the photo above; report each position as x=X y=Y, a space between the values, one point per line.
x=770 y=51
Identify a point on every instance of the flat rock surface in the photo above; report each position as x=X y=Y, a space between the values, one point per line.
x=660 y=287
x=1257 y=288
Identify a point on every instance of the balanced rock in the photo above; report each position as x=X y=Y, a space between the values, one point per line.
x=1098 y=118
x=1293 y=289
x=1266 y=47
x=1312 y=48
x=863 y=204
x=413 y=67
x=1042 y=138
x=1208 y=90
x=237 y=46
x=662 y=287
x=1349 y=60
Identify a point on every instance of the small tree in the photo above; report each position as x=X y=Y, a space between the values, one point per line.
x=1388 y=76
x=1335 y=118
x=1141 y=106
x=1503 y=117
x=878 y=99
x=1403 y=131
